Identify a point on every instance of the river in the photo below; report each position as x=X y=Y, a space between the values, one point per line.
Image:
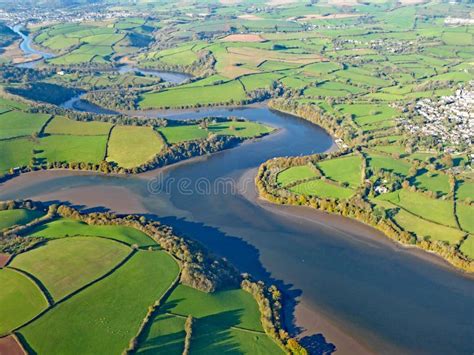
x=28 y=50
x=350 y=286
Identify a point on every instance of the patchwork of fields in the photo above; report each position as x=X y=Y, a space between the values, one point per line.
x=424 y=205
x=40 y=140
x=77 y=291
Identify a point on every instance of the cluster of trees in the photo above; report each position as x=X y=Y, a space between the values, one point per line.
x=14 y=74
x=10 y=240
x=189 y=149
x=188 y=329
x=357 y=207
x=269 y=300
x=337 y=126
x=45 y=92
x=121 y=99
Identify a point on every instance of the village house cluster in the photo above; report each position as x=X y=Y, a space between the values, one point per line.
x=46 y=16
x=450 y=119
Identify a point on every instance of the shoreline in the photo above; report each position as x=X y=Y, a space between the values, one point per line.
x=338 y=223
x=310 y=316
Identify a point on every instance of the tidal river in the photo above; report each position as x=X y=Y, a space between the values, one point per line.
x=345 y=283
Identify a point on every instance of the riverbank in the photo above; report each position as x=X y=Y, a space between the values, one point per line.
x=270 y=190
x=348 y=226
x=362 y=287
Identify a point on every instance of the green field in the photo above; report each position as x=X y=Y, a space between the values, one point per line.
x=209 y=338
x=115 y=308
x=344 y=169
x=465 y=190
x=15 y=153
x=439 y=211
x=467 y=247
x=165 y=336
x=235 y=308
x=64 y=148
x=65 y=265
x=423 y=228
x=295 y=173
x=69 y=227
x=18 y=123
x=177 y=134
x=131 y=146
x=386 y=163
x=465 y=215
x=10 y=218
x=243 y=129
x=219 y=94
x=322 y=189
x=20 y=298
x=63 y=125
x=224 y=321
x=437 y=182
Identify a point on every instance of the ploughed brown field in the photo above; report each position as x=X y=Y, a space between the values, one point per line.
x=9 y=346
x=4 y=258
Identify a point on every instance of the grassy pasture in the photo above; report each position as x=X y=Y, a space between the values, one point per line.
x=423 y=228
x=390 y=149
x=60 y=42
x=317 y=69
x=467 y=247
x=458 y=38
x=296 y=82
x=10 y=218
x=243 y=129
x=64 y=125
x=343 y=169
x=235 y=307
x=437 y=182
x=115 y=308
x=436 y=210
x=216 y=94
x=259 y=81
x=465 y=190
x=10 y=104
x=383 y=162
x=131 y=146
x=359 y=77
x=64 y=227
x=65 y=148
x=65 y=265
x=164 y=336
x=465 y=215
x=332 y=89
x=18 y=123
x=20 y=298
x=72 y=58
x=322 y=189
x=176 y=134
x=209 y=338
x=15 y=153
x=295 y=173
